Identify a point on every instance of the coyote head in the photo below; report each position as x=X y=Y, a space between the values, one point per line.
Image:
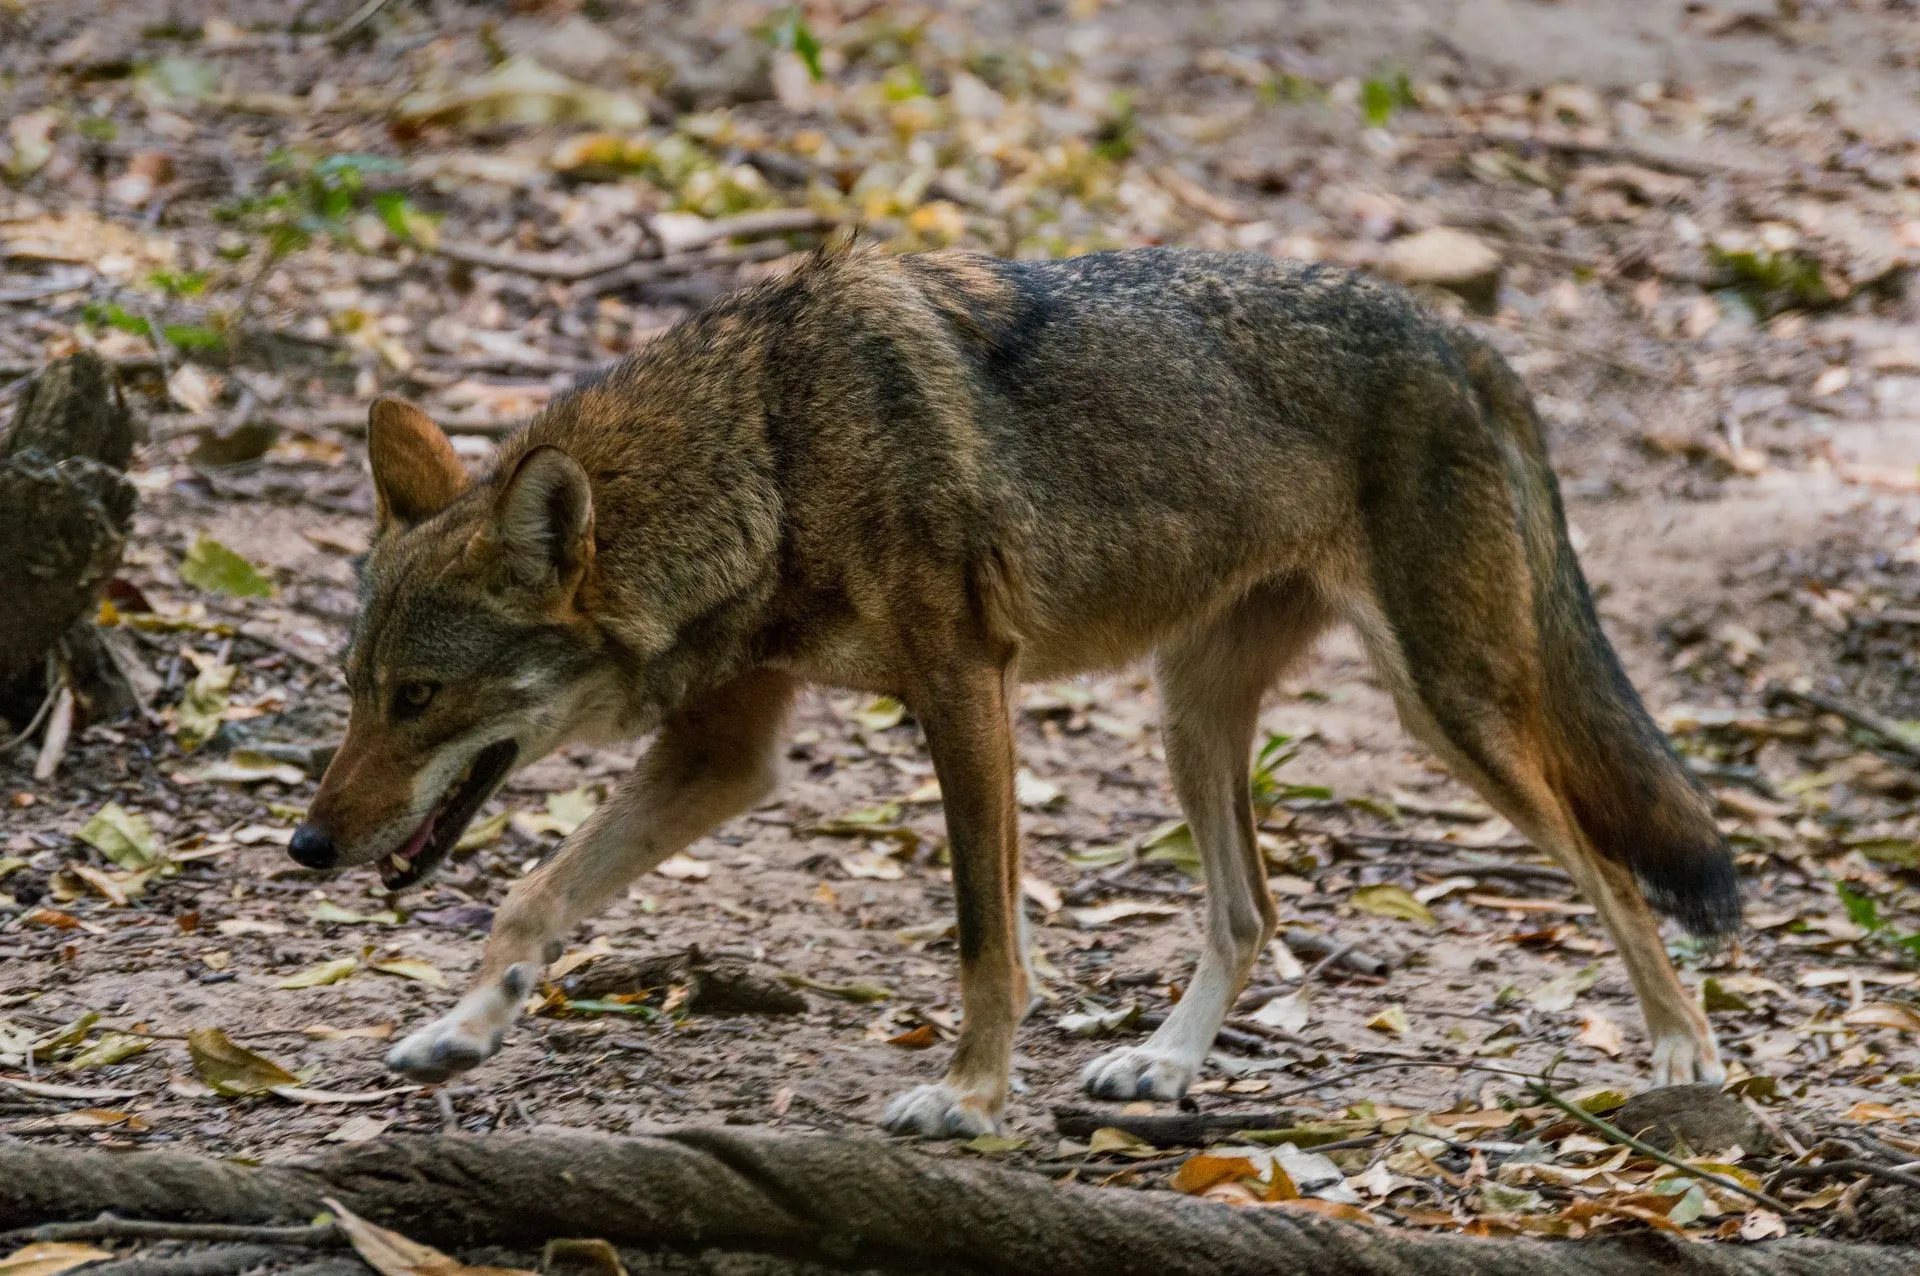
x=472 y=652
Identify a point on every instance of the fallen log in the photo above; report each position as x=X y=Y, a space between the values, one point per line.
x=842 y=1203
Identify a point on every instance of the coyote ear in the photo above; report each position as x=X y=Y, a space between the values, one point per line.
x=542 y=528
x=415 y=471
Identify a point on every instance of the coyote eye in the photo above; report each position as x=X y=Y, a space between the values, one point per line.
x=414 y=696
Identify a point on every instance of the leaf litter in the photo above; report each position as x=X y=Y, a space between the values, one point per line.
x=1615 y=281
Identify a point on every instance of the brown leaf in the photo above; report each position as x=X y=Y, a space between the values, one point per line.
x=231 y=1069
x=49 y=1259
x=392 y=1254
x=919 y=1038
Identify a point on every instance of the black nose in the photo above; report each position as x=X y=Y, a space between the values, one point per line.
x=311 y=847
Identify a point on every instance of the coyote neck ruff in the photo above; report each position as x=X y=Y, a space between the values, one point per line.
x=935 y=475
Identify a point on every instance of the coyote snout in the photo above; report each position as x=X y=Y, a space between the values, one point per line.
x=472 y=653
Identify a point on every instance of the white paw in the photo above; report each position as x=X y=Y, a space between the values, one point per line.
x=1138 y=1072
x=938 y=1112
x=443 y=1048
x=1680 y=1058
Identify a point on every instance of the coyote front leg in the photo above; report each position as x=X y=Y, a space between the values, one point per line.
x=965 y=716
x=713 y=759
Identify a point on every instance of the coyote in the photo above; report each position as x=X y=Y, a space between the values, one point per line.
x=934 y=476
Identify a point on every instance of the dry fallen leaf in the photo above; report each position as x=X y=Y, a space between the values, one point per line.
x=1884 y=1014
x=1121 y=910
x=392 y=1254
x=1391 y=1020
x=1601 y=1033
x=50 y=1258
x=410 y=968
x=231 y=1069
x=327 y=972
x=920 y=1038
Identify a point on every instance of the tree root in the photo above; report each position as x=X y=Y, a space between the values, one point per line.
x=789 y=1203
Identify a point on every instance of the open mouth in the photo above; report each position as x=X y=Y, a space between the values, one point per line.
x=442 y=828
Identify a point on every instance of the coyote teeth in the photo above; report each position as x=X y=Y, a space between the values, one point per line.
x=399 y=861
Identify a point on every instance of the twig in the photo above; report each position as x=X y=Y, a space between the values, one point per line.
x=111 y=1227
x=1177 y=1129
x=1351 y=1073
x=1621 y=152
x=1845 y=1165
x=1884 y=730
x=359 y=18
x=163 y=350
x=565 y=267
x=53 y=746
x=640 y=273
x=1300 y=940
x=349 y=421
x=1231 y=1038
x=54 y=685
x=1319 y=967
x=1547 y=1095
x=224 y=1260
x=1116 y=1167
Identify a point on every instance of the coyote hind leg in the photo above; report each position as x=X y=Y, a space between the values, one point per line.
x=1210 y=685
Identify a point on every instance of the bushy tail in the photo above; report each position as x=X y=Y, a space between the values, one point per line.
x=1636 y=801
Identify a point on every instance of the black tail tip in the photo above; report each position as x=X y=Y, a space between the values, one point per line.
x=1700 y=891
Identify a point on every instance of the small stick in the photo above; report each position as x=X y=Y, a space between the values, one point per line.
x=53 y=746
x=359 y=18
x=1546 y=1095
x=39 y=715
x=1845 y=1165
x=1351 y=1073
x=1173 y=1129
x=1884 y=730
x=112 y=1227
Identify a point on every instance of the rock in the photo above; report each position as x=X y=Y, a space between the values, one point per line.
x=1703 y=1117
x=1446 y=258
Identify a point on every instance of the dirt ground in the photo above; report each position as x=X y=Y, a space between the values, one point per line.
x=1704 y=219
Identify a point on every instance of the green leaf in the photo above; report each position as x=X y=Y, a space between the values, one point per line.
x=1861 y=910
x=1172 y=843
x=792 y=34
x=193 y=336
x=204 y=706
x=122 y=836
x=183 y=78
x=211 y=566
x=1381 y=97
x=182 y=283
x=884 y=712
